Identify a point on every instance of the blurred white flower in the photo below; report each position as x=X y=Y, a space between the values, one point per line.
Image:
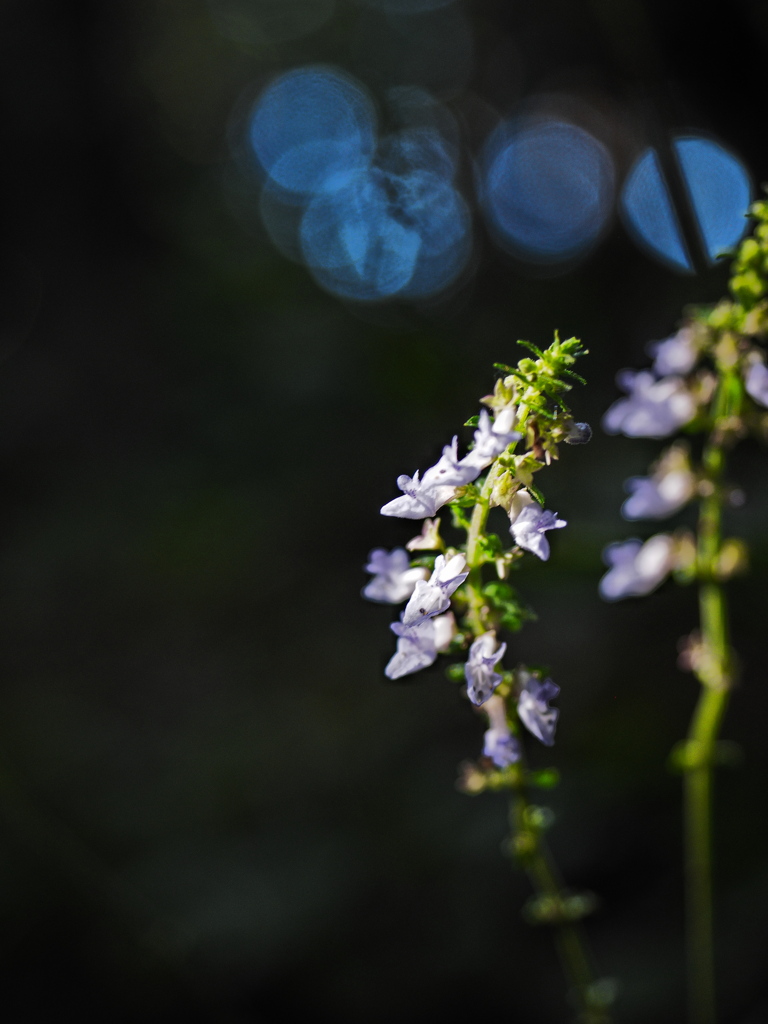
x=671 y=486
x=653 y=408
x=498 y=742
x=532 y=706
x=478 y=671
x=429 y=539
x=445 y=631
x=676 y=354
x=636 y=568
x=394 y=578
x=756 y=382
x=418 y=646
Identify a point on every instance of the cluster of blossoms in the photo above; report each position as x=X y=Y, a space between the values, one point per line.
x=680 y=393
x=449 y=607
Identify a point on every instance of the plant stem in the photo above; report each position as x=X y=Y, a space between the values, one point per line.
x=537 y=859
x=569 y=939
x=476 y=613
x=714 y=672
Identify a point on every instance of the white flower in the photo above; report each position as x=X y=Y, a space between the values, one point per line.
x=654 y=408
x=491 y=439
x=670 y=487
x=445 y=631
x=423 y=497
x=676 y=354
x=429 y=539
x=636 y=568
x=430 y=597
x=499 y=743
x=756 y=382
x=532 y=707
x=529 y=522
x=394 y=578
x=478 y=671
x=418 y=646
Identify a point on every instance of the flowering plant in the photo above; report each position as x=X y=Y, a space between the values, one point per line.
x=459 y=598
x=709 y=381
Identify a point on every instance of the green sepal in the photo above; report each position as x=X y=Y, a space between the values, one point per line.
x=504 y=601
x=472 y=421
x=466 y=496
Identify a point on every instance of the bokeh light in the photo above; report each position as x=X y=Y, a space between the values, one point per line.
x=717 y=186
x=647 y=206
x=720 y=191
x=371 y=219
x=313 y=129
x=547 y=188
x=401 y=228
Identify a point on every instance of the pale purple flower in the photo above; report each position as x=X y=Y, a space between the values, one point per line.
x=423 y=497
x=449 y=469
x=756 y=382
x=636 y=568
x=533 y=709
x=653 y=408
x=671 y=485
x=418 y=646
x=676 y=354
x=652 y=498
x=432 y=596
x=529 y=522
x=478 y=671
x=429 y=539
x=491 y=439
x=394 y=579
x=498 y=742
x=445 y=631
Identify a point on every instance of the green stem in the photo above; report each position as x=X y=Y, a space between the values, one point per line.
x=714 y=672
x=477 y=614
x=538 y=861
x=569 y=939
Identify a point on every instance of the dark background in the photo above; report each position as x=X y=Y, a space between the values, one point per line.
x=213 y=806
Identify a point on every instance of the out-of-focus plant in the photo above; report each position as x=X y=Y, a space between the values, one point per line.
x=459 y=597
x=710 y=382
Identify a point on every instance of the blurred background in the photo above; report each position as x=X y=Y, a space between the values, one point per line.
x=258 y=257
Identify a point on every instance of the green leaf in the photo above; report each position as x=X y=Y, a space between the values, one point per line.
x=531 y=348
x=536 y=493
x=491 y=546
x=459 y=517
x=472 y=421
